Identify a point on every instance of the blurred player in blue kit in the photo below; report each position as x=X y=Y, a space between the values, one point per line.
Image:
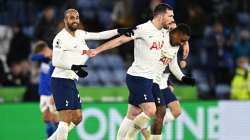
x=42 y=54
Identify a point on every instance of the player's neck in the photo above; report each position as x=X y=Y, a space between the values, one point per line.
x=157 y=23
x=70 y=32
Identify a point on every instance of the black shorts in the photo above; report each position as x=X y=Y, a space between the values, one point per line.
x=65 y=94
x=168 y=95
x=158 y=96
x=140 y=90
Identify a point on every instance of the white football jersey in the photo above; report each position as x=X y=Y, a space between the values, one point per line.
x=168 y=58
x=68 y=50
x=164 y=81
x=148 y=41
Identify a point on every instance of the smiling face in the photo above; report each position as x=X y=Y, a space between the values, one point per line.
x=71 y=20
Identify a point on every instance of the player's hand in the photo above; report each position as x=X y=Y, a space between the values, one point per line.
x=168 y=54
x=126 y=31
x=172 y=25
x=188 y=80
x=91 y=52
x=79 y=70
x=84 y=52
x=183 y=64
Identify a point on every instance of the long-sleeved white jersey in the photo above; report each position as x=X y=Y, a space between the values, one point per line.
x=67 y=50
x=168 y=52
x=148 y=42
x=164 y=81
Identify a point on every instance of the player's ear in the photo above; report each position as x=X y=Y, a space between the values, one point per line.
x=161 y=17
x=65 y=19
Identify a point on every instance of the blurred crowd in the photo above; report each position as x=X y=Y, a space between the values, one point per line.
x=220 y=42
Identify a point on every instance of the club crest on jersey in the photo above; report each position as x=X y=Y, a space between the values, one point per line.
x=58 y=44
x=157 y=45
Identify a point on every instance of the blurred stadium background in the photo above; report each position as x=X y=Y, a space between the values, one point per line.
x=217 y=108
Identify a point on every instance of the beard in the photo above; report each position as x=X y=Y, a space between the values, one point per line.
x=73 y=27
x=169 y=25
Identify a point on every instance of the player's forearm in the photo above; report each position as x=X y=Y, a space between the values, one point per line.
x=177 y=73
x=101 y=35
x=113 y=43
x=175 y=69
x=185 y=50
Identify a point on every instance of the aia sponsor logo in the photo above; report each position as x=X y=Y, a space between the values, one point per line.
x=165 y=60
x=157 y=45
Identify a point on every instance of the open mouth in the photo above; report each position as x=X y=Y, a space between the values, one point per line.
x=75 y=24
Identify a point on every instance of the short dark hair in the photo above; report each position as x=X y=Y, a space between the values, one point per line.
x=183 y=28
x=161 y=8
x=39 y=46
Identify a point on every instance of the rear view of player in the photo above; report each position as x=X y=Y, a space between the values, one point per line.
x=42 y=54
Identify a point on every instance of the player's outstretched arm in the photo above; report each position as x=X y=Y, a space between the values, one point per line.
x=109 y=45
x=108 y=34
x=100 y=35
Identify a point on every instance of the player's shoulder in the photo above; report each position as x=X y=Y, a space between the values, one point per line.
x=81 y=32
x=58 y=39
x=144 y=29
x=61 y=34
x=143 y=25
